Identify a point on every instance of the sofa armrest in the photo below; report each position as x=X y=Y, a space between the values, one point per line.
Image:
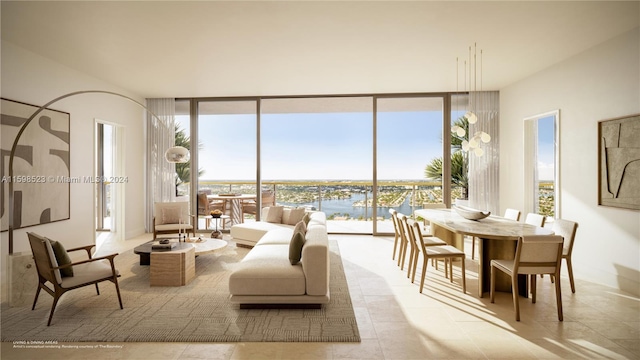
x=315 y=261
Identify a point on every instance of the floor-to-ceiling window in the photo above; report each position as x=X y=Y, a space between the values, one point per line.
x=353 y=157
x=317 y=153
x=408 y=143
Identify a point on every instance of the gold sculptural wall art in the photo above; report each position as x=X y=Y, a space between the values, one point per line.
x=619 y=162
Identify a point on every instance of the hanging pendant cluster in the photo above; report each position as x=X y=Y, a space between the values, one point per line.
x=480 y=137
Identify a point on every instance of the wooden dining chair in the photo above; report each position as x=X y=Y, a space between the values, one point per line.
x=535 y=255
x=534 y=219
x=512 y=214
x=414 y=243
x=567 y=229
x=396 y=229
x=431 y=251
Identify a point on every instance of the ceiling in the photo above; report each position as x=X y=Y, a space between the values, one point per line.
x=214 y=48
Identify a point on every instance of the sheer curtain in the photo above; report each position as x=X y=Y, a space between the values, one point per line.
x=484 y=176
x=160 y=173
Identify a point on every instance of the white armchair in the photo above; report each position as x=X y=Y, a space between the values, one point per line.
x=171 y=218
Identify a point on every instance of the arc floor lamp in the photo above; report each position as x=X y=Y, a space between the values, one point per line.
x=176 y=154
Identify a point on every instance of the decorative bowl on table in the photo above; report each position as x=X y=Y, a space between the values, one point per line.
x=216 y=213
x=470 y=213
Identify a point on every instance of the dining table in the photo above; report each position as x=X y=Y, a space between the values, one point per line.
x=497 y=240
x=235 y=204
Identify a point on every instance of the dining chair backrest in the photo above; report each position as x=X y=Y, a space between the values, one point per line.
x=539 y=254
x=566 y=229
x=394 y=219
x=416 y=234
x=402 y=226
x=535 y=219
x=512 y=214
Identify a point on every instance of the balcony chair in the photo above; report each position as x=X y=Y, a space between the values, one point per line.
x=429 y=251
x=205 y=206
x=171 y=218
x=535 y=255
x=55 y=267
x=250 y=206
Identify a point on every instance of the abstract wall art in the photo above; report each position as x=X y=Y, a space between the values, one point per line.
x=41 y=171
x=619 y=162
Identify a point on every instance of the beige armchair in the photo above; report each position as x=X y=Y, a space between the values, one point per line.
x=171 y=218
x=84 y=273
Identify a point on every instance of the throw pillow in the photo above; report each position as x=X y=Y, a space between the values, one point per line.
x=62 y=257
x=274 y=215
x=295 y=247
x=300 y=227
x=295 y=216
x=171 y=215
x=306 y=218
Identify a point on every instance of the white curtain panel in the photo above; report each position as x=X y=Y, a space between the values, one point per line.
x=484 y=176
x=160 y=173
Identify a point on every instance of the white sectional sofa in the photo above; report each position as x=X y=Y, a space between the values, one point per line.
x=266 y=276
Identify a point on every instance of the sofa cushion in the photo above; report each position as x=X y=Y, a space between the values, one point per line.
x=274 y=215
x=278 y=236
x=292 y=216
x=266 y=271
x=254 y=231
x=295 y=247
x=170 y=215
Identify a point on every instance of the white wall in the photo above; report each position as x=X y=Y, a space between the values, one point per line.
x=30 y=78
x=599 y=84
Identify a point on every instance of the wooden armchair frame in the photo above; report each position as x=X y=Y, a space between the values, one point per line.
x=47 y=267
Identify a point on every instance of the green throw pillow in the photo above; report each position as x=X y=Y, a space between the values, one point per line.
x=62 y=256
x=295 y=247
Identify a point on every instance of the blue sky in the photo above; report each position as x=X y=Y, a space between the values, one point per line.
x=311 y=146
x=333 y=146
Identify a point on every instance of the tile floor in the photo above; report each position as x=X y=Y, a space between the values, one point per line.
x=397 y=322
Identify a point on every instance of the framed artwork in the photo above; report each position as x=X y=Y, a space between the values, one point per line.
x=619 y=162
x=41 y=175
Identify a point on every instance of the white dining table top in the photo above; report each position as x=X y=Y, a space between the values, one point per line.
x=491 y=227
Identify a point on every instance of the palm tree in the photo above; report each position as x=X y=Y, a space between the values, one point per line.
x=459 y=161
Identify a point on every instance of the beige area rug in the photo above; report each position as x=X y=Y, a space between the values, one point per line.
x=198 y=312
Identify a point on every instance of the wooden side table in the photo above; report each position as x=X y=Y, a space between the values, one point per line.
x=172 y=268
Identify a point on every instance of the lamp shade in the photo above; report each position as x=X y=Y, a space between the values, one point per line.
x=177 y=154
